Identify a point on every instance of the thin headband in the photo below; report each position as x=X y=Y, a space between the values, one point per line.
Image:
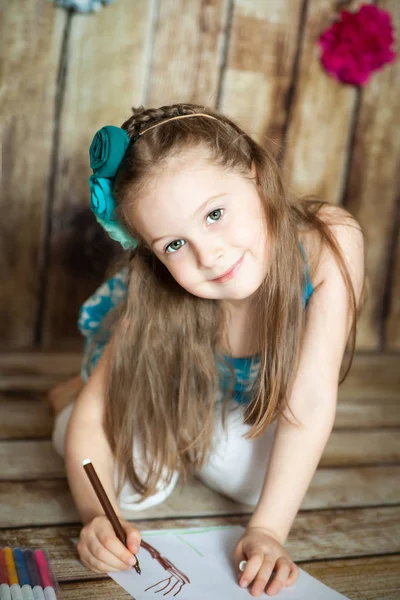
x=137 y=136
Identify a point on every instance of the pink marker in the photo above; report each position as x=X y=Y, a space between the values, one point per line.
x=47 y=583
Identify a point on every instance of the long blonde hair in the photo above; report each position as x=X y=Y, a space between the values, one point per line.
x=163 y=379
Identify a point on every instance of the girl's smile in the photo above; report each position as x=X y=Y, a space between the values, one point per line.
x=230 y=273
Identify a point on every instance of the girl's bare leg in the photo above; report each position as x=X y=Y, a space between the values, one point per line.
x=64 y=393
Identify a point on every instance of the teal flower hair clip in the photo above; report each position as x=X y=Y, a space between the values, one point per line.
x=106 y=153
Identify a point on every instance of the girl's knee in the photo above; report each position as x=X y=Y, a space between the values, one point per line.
x=247 y=497
x=129 y=499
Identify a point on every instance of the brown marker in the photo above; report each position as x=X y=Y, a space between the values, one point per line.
x=107 y=506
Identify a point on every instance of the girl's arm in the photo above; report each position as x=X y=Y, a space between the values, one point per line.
x=99 y=548
x=297 y=449
x=86 y=438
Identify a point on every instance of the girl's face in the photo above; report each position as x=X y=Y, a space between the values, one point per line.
x=208 y=228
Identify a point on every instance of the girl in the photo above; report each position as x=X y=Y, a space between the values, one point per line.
x=216 y=350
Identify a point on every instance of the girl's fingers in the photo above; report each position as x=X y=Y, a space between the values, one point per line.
x=108 y=548
x=258 y=569
x=251 y=569
x=133 y=538
x=294 y=573
x=266 y=571
x=280 y=578
x=101 y=550
x=263 y=576
x=94 y=564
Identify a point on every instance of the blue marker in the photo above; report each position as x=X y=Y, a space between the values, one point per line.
x=24 y=582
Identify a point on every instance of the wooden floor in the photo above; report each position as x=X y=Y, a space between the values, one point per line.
x=347 y=533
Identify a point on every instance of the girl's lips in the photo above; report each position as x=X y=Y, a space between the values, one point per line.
x=231 y=273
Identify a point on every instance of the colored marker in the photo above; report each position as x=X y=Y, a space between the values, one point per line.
x=3 y=568
x=24 y=581
x=5 y=593
x=33 y=573
x=12 y=573
x=27 y=592
x=47 y=583
x=107 y=506
x=15 y=589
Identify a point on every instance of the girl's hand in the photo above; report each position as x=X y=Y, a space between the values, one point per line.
x=102 y=552
x=264 y=554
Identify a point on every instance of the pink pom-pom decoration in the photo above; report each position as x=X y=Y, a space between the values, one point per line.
x=358 y=44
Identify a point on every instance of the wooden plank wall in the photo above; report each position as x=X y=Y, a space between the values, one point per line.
x=64 y=75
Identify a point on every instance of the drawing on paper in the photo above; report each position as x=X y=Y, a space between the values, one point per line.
x=205 y=555
x=177 y=578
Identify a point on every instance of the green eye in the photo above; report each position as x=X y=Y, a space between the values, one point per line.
x=215 y=215
x=174 y=246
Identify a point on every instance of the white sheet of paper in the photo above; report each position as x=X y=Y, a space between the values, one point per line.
x=204 y=557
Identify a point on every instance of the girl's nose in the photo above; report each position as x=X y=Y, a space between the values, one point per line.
x=209 y=255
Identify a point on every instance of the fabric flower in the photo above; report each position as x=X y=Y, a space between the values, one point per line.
x=106 y=153
x=102 y=201
x=102 y=204
x=83 y=6
x=107 y=150
x=358 y=44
